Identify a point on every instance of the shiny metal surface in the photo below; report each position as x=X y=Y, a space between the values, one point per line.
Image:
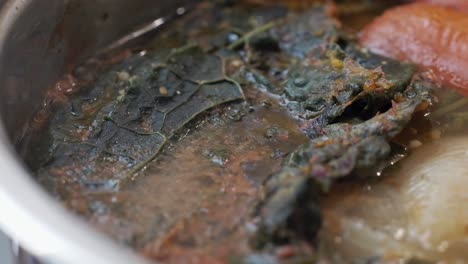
x=6 y=250
x=38 y=40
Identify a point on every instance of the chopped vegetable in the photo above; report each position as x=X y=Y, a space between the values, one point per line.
x=436 y=38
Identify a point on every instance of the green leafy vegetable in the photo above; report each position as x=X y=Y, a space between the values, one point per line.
x=141 y=110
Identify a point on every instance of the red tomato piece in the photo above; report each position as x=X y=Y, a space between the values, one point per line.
x=461 y=5
x=431 y=36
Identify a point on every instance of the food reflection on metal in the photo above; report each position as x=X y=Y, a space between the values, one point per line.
x=150 y=28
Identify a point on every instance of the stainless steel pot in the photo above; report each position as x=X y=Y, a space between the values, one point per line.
x=38 y=38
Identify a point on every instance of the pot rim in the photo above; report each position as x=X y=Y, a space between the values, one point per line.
x=56 y=236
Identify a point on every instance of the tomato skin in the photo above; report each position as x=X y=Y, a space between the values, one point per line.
x=434 y=37
x=461 y=5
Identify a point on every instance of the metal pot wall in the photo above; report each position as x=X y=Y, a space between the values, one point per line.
x=38 y=39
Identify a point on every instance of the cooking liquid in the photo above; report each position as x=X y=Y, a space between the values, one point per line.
x=192 y=204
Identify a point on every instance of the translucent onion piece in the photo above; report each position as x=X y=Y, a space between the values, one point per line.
x=418 y=209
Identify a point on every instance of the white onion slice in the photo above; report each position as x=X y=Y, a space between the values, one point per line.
x=418 y=209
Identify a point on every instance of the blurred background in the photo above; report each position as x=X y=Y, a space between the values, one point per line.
x=6 y=253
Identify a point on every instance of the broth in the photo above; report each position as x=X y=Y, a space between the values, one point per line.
x=194 y=187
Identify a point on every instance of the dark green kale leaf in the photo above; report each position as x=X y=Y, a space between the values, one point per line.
x=196 y=66
x=350 y=103
x=336 y=87
x=130 y=113
x=290 y=198
x=303 y=33
x=322 y=76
